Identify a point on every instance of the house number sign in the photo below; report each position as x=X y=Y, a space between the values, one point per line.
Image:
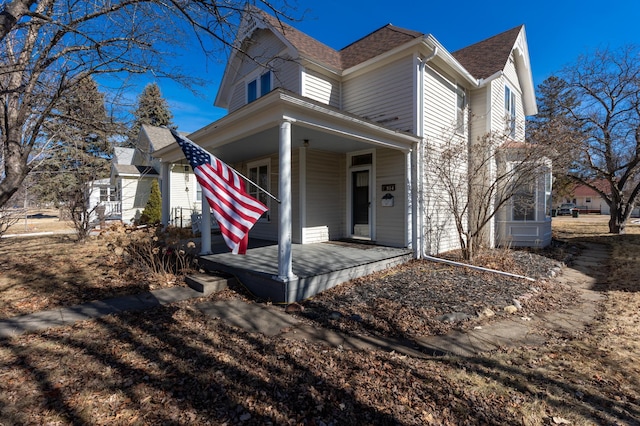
x=389 y=187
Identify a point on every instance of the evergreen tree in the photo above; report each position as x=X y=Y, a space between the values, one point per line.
x=152 y=212
x=79 y=133
x=152 y=109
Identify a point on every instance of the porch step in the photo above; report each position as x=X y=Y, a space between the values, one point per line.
x=209 y=283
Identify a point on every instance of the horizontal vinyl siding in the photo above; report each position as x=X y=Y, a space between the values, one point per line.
x=385 y=95
x=264 y=48
x=439 y=229
x=391 y=222
x=135 y=194
x=179 y=181
x=321 y=88
x=326 y=192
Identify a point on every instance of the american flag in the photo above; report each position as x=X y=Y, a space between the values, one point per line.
x=234 y=209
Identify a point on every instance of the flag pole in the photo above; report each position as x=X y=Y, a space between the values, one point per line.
x=257 y=186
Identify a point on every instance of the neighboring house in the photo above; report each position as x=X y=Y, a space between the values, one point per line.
x=343 y=137
x=104 y=203
x=134 y=169
x=587 y=199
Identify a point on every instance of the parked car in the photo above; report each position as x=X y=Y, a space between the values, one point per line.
x=566 y=209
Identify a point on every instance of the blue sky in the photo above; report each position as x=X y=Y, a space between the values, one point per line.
x=557 y=32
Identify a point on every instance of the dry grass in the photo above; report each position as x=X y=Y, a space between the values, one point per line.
x=174 y=365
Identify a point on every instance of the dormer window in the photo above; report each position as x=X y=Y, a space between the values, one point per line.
x=259 y=87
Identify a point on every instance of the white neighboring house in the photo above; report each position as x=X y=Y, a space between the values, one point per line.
x=134 y=169
x=104 y=203
x=343 y=137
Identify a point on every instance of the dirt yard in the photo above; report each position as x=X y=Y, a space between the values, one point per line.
x=174 y=365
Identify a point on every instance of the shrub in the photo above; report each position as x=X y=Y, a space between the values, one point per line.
x=152 y=213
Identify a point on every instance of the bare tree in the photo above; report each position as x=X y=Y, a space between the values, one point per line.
x=474 y=182
x=49 y=45
x=601 y=98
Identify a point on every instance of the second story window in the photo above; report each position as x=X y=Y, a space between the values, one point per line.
x=510 y=110
x=461 y=107
x=259 y=87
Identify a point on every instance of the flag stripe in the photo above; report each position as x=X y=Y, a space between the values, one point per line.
x=234 y=209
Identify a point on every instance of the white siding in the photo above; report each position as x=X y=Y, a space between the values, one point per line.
x=391 y=221
x=385 y=95
x=266 y=48
x=183 y=202
x=439 y=228
x=135 y=193
x=321 y=88
x=326 y=193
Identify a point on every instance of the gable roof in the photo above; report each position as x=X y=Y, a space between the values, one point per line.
x=476 y=63
x=489 y=56
x=159 y=137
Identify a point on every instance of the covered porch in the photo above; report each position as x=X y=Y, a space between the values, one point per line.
x=317 y=267
x=335 y=176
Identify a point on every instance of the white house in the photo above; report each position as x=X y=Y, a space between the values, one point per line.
x=344 y=137
x=134 y=169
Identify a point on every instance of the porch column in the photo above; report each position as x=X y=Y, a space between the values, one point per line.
x=285 y=208
x=165 y=169
x=205 y=228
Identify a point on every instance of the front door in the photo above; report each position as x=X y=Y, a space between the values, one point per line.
x=361 y=203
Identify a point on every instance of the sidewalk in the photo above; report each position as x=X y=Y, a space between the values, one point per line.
x=272 y=320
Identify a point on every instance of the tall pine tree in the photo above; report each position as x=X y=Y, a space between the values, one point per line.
x=79 y=151
x=152 y=109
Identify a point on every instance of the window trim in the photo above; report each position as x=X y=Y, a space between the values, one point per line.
x=510 y=110
x=264 y=199
x=258 y=81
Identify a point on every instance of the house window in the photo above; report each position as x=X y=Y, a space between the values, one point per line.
x=548 y=179
x=524 y=202
x=510 y=110
x=198 y=192
x=461 y=106
x=104 y=193
x=259 y=87
x=587 y=200
x=259 y=173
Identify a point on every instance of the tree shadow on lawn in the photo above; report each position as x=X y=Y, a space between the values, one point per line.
x=174 y=365
x=57 y=271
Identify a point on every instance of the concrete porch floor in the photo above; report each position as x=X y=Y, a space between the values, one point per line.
x=317 y=266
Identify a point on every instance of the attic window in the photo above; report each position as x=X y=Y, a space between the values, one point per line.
x=259 y=87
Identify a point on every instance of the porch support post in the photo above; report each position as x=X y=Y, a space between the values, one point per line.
x=285 y=273
x=165 y=218
x=205 y=228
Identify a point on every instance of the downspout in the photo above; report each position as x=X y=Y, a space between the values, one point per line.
x=477 y=268
x=418 y=191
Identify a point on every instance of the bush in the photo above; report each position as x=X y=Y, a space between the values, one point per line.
x=152 y=213
x=154 y=251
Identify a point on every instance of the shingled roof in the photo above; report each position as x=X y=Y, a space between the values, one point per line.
x=481 y=60
x=370 y=46
x=376 y=43
x=485 y=58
